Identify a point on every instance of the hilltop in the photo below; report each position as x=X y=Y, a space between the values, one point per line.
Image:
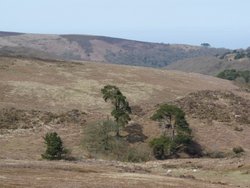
x=100 y=49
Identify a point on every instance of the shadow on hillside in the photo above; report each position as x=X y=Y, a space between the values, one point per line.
x=135 y=133
x=194 y=149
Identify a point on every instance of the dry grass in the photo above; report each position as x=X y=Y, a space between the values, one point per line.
x=112 y=174
x=58 y=87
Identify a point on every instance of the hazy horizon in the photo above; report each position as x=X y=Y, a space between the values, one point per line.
x=220 y=23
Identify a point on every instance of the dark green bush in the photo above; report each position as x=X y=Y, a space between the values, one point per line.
x=162 y=147
x=238 y=150
x=55 y=149
x=228 y=74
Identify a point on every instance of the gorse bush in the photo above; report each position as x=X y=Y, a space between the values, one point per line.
x=55 y=149
x=238 y=150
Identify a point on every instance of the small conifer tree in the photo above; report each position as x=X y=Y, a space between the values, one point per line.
x=55 y=149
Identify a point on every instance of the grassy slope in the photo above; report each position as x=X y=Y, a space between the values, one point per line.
x=61 y=86
x=209 y=65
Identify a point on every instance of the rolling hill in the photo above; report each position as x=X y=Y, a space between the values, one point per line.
x=209 y=65
x=53 y=82
x=99 y=48
x=39 y=96
x=69 y=89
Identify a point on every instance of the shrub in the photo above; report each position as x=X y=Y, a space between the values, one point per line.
x=238 y=150
x=162 y=147
x=55 y=149
x=217 y=154
x=228 y=74
x=138 y=154
x=98 y=136
x=100 y=140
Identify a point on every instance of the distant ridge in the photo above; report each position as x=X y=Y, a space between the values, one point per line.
x=100 y=48
x=6 y=33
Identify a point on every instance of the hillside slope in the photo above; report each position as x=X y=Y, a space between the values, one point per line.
x=58 y=87
x=209 y=65
x=54 y=85
x=38 y=96
x=101 y=49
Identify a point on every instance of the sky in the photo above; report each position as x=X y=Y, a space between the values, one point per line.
x=221 y=23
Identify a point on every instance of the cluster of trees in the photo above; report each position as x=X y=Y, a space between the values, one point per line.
x=103 y=138
x=232 y=74
x=176 y=135
x=99 y=138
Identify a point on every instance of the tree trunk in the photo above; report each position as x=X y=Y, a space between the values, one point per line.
x=173 y=132
x=117 y=128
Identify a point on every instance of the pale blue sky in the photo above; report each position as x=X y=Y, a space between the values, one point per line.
x=222 y=23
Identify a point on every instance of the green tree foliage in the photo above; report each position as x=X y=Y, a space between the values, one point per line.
x=205 y=44
x=245 y=75
x=121 y=108
x=232 y=74
x=161 y=147
x=55 y=149
x=173 y=121
x=172 y=117
x=228 y=74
